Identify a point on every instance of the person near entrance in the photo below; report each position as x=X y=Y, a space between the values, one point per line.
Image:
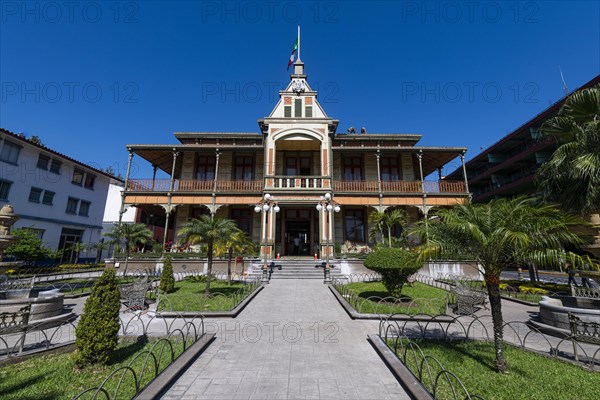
x=297 y=242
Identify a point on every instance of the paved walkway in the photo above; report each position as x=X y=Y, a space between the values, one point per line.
x=293 y=341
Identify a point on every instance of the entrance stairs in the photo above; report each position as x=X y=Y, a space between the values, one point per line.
x=297 y=268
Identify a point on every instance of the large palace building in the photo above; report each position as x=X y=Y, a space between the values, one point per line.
x=270 y=181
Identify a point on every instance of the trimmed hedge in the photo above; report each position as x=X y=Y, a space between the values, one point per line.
x=167 y=280
x=394 y=265
x=98 y=329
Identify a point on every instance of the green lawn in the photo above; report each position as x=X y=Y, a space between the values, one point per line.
x=418 y=299
x=531 y=376
x=189 y=296
x=54 y=377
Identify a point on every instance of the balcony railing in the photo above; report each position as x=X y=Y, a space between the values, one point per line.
x=193 y=185
x=295 y=183
x=298 y=182
x=399 y=187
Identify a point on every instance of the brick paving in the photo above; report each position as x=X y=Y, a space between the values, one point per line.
x=293 y=341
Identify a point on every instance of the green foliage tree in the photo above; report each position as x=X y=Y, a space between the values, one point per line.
x=394 y=265
x=167 y=280
x=384 y=221
x=208 y=231
x=572 y=175
x=28 y=247
x=498 y=235
x=235 y=244
x=130 y=235
x=97 y=333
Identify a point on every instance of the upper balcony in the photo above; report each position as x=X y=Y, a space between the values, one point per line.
x=296 y=184
x=195 y=186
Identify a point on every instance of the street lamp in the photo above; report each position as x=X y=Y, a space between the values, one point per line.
x=265 y=205
x=327 y=205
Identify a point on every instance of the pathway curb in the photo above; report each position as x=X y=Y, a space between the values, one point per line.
x=411 y=384
x=163 y=381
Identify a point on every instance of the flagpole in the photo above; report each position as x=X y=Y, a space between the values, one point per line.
x=298 y=42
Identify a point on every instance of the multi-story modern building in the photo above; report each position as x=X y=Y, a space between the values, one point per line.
x=508 y=167
x=60 y=199
x=271 y=181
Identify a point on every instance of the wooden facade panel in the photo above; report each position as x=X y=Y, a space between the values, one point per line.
x=188 y=167
x=225 y=166
x=238 y=199
x=370 y=161
x=402 y=201
x=337 y=166
x=408 y=174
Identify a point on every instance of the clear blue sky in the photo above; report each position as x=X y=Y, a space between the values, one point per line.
x=91 y=77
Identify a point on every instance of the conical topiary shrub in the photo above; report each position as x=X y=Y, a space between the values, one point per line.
x=98 y=328
x=167 y=280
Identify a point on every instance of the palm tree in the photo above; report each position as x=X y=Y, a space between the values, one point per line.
x=208 y=231
x=376 y=225
x=572 y=175
x=237 y=242
x=381 y=220
x=100 y=247
x=497 y=235
x=78 y=248
x=131 y=234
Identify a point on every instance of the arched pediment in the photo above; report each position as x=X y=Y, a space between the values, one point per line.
x=297 y=134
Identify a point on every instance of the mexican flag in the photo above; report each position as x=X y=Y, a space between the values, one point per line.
x=294 y=50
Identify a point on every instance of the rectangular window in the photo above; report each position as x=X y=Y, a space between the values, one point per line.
x=354 y=225
x=10 y=152
x=308 y=112
x=35 y=194
x=77 y=176
x=352 y=168
x=48 y=198
x=43 y=162
x=205 y=168
x=243 y=219
x=72 y=204
x=55 y=167
x=84 y=208
x=298 y=108
x=390 y=169
x=287 y=111
x=89 y=181
x=244 y=168
x=4 y=189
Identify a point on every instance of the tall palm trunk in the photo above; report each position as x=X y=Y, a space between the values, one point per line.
x=126 y=262
x=229 y=255
x=492 y=282
x=389 y=236
x=209 y=258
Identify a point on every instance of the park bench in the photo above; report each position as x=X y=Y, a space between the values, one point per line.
x=583 y=331
x=133 y=295
x=468 y=299
x=15 y=322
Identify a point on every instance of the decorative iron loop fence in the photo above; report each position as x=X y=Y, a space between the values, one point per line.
x=147 y=364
